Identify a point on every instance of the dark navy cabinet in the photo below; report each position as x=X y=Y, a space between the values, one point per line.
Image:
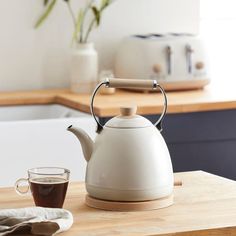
x=201 y=141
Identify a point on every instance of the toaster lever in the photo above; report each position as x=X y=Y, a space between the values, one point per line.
x=189 y=52
x=169 y=59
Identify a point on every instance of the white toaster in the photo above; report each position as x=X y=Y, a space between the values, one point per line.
x=176 y=61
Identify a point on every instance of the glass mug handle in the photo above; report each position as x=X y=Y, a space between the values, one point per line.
x=18 y=184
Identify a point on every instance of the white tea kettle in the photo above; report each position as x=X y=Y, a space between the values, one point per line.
x=129 y=160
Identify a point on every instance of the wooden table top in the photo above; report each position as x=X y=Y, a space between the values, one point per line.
x=204 y=205
x=209 y=99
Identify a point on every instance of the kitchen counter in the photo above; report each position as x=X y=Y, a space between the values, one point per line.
x=204 y=205
x=208 y=99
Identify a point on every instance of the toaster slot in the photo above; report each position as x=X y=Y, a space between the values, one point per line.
x=189 y=52
x=169 y=59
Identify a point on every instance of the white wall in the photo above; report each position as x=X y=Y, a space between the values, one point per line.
x=218 y=28
x=32 y=59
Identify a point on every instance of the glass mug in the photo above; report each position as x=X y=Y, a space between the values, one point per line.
x=48 y=185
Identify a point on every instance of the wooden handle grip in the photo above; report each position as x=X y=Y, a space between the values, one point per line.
x=178 y=183
x=131 y=83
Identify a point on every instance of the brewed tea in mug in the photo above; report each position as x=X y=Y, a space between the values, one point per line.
x=48 y=186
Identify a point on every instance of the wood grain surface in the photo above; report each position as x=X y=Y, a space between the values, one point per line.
x=208 y=99
x=204 y=205
x=30 y=97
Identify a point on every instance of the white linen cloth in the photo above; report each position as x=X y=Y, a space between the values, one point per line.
x=34 y=221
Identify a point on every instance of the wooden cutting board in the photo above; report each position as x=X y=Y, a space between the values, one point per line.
x=204 y=205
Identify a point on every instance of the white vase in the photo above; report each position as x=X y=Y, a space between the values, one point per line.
x=84 y=68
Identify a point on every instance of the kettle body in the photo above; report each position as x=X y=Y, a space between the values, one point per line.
x=121 y=171
x=129 y=159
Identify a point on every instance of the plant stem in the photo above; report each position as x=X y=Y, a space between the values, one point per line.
x=89 y=29
x=73 y=16
x=82 y=23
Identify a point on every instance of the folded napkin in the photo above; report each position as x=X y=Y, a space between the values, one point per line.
x=34 y=221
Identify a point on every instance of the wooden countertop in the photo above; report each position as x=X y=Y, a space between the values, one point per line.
x=204 y=205
x=209 y=99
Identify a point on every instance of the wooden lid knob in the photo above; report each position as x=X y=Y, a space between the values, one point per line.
x=128 y=111
x=199 y=65
x=157 y=68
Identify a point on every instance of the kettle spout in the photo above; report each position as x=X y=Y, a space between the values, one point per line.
x=85 y=141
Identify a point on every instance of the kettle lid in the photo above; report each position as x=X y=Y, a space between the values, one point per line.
x=128 y=119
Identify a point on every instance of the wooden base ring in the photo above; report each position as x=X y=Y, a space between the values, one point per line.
x=129 y=206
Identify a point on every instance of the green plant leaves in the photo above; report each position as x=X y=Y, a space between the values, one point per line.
x=45 y=2
x=104 y=4
x=79 y=34
x=97 y=14
x=43 y=17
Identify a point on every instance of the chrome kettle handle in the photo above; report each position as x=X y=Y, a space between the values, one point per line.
x=129 y=83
